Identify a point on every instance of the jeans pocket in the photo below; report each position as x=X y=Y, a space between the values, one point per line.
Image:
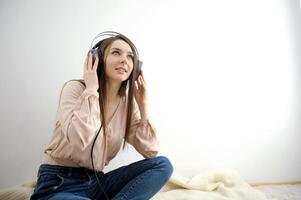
x=48 y=183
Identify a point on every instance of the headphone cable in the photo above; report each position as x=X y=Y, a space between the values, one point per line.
x=95 y=173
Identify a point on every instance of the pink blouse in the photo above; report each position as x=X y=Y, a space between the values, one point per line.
x=77 y=123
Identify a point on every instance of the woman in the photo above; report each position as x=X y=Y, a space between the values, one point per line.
x=94 y=117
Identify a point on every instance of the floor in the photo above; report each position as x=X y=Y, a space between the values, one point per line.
x=281 y=192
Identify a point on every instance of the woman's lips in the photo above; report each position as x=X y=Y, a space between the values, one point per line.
x=121 y=70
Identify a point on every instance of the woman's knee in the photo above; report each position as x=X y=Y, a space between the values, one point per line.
x=165 y=165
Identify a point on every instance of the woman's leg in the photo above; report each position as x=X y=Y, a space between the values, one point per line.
x=138 y=181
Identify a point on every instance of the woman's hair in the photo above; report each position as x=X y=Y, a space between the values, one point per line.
x=127 y=87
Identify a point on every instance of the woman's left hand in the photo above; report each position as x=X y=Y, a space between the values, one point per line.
x=140 y=91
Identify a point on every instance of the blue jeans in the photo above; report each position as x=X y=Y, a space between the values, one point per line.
x=138 y=181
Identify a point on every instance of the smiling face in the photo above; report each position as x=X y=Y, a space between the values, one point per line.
x=119 y=61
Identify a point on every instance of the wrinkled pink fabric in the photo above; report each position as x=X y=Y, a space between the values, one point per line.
x=78 y=121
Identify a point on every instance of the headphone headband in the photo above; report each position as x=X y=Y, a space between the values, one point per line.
x=107 y=34
x=103 y=35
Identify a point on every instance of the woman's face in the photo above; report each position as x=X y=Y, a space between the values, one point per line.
x=119 y=61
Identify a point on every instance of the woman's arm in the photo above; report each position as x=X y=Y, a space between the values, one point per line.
x=142 y=135
x=79 y=113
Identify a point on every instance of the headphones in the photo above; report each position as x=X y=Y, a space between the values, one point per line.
x=98 y=52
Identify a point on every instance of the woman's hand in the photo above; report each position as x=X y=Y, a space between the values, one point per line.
x=90 y=74
x=140 y=91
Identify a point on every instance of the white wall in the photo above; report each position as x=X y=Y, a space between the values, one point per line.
x=224 y=79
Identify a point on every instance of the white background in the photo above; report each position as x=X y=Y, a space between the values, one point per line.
x=223 y=77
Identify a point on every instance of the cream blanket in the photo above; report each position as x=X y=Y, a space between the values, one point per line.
x=213 y=185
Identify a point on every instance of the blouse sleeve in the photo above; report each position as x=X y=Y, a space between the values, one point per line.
x=79 y=114
x=143 y=135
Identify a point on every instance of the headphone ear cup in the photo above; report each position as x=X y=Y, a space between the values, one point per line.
x=100 y=65
x=139 y=66
x=99 y=54
x=138 y=69
x=94 y=55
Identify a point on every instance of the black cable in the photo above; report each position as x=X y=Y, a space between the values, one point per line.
x=95 y=173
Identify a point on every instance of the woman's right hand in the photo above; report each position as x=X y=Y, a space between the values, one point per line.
x=90 y=73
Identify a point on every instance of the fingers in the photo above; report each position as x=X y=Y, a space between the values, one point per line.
x=88 y=63
x=140 y=84
x=141 y=80
x=89 y=67
x=136 y=86
x=95 y=64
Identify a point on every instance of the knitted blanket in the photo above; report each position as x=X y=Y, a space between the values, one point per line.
x=213 y=185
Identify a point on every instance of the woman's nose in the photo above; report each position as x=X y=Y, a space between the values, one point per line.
x=123 y=58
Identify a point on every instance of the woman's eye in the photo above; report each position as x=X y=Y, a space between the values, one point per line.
x=131 y=56
x=115 y=52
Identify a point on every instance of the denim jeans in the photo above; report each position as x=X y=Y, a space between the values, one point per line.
x=138 y=181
